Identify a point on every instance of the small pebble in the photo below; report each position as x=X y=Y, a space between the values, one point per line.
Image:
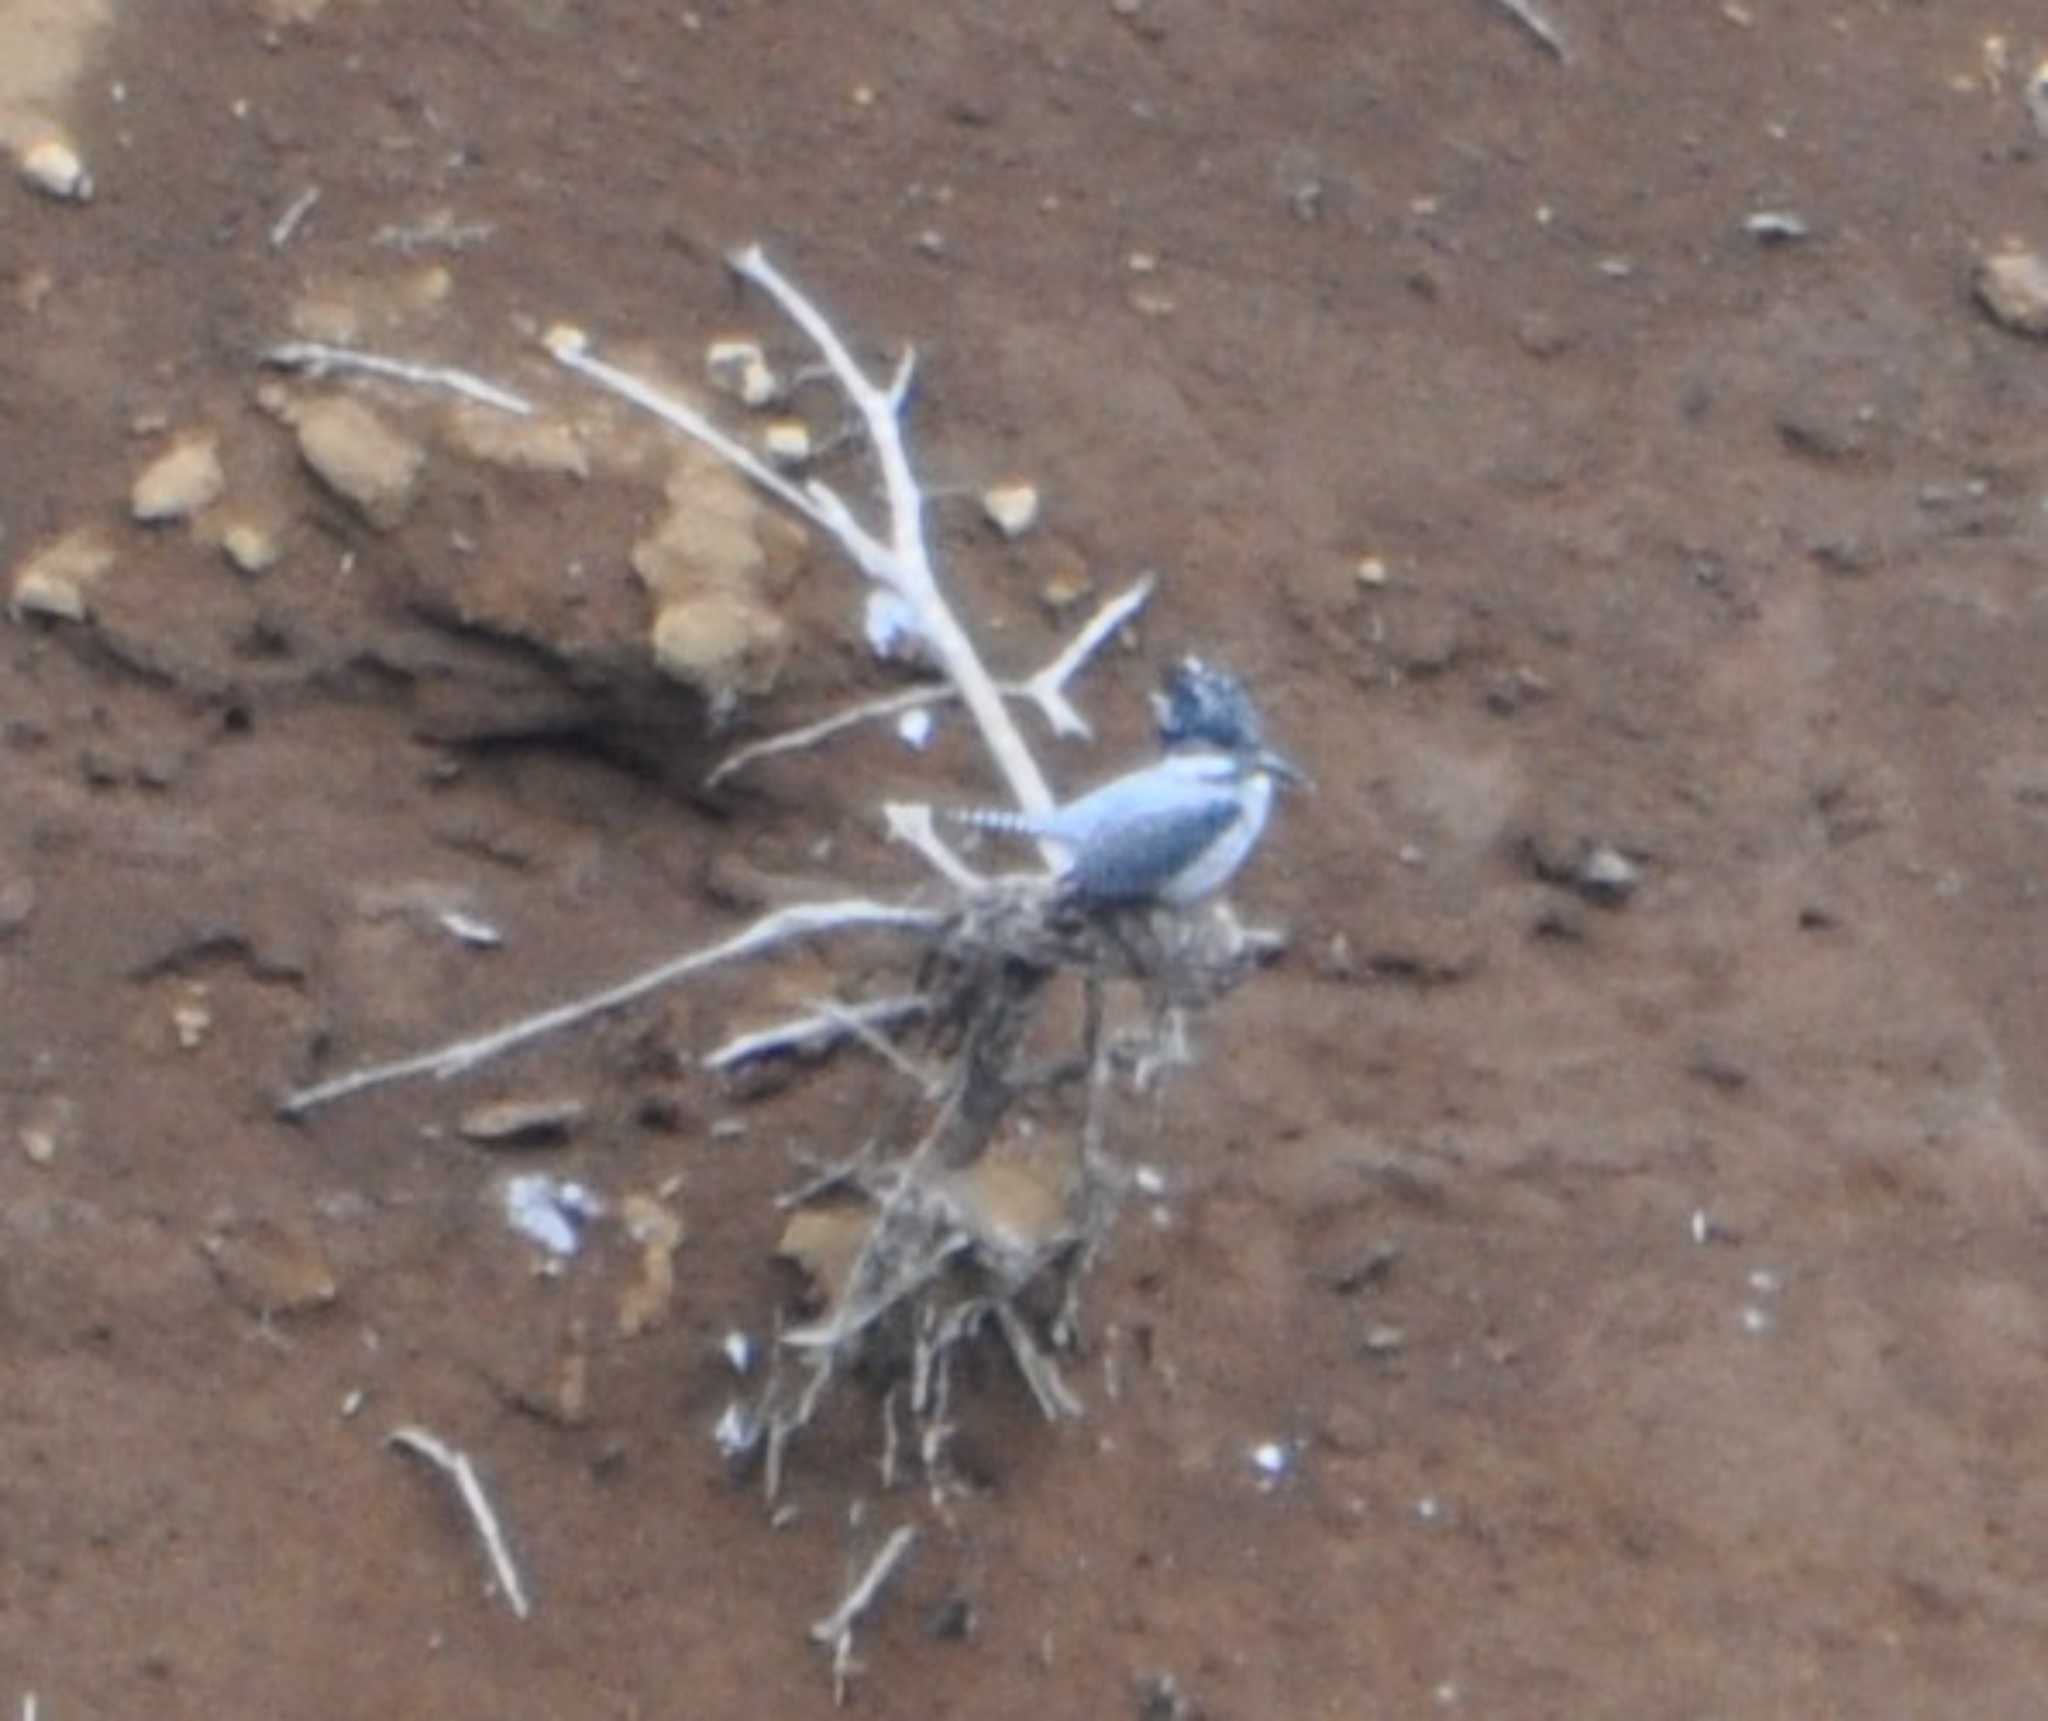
x=739 y=368
x=53 y=167
x=2037 y=97
x=1608 y=875
x=2013 y=287
x=250 y=548
x=787 y=442
x=1011 y=508
x=1776 y=226
x=178 y=483
x=521 y=1123
x=57 y=580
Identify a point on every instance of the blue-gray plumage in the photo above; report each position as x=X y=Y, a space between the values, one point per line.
x=1177 y=830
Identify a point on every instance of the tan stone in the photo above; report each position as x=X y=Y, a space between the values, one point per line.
x=724 y=646
x=2013 y=287
x=57 y=580
x=361 y=458
x=184 y=479
x=495 y=438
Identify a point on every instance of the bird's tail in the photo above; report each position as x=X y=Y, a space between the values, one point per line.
x=993 y=819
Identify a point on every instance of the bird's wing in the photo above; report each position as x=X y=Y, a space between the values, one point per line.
x=1128 y=859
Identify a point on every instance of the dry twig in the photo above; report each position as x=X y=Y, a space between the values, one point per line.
x=317 y=359
x=1046 y=690
x=1526 y=14
x=455 y=1465
x=785 y=926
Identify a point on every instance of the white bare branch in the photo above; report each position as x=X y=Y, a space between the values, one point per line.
x=317 y=359
x=911 y=822
x=795 y=740
x=839 y=1623
x=455 y=1465
x=908 y=569
x=1046 y=690
x=813 y=1032
x=805 y=920
x=571 y=349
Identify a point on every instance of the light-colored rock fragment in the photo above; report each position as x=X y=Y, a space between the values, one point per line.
x=50 y=1128
x=645 y=1303
x=178 y=483
x=724 y=645
x=2013 y=287
x=825 y=1242
x=269 y=1268
x=1011 y=508
x=521 y=1123
x=54 y=168
x=2037 y=97
x=361 y=458
x=787 y=442
x=716 y=566
x=537 y=444
x=57 y=580
x=740 y=369
x=252 y=548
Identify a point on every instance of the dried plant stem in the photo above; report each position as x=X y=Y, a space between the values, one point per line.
x=786 y=925
x=1046 y=690
x=907 y=570
x=816 y=1030
x=839 y=1623
x=1525 y=13
x=455 y=1465
x=317 y=359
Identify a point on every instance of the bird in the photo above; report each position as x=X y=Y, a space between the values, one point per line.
x=1176 y=831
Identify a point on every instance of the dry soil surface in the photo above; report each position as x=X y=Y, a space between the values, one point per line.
x=1646 y=1298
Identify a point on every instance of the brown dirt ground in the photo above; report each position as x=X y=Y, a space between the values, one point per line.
x=1736 y=558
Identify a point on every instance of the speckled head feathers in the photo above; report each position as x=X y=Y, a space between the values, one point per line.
x=1199 y=704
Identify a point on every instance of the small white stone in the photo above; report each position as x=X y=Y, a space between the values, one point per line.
x=566 y=341
x=1372 y=571
x=53 y=167
x=740 y=369
x=179 y=483
x=915 y=728
x=1011 y=508
x=787 y=442
x=249 y=547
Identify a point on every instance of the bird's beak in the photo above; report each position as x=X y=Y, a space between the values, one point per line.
x=1279 y=765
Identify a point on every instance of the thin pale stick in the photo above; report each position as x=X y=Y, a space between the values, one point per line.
x=317 y=359
x=910 y=571
x=455 y=1465
x=1525 y=14
x=911 y=822
x=1048 y=686
x=1046 y=689
x=571 y=349
x=782 y=927
x=839 y=1623
x=811 y=1032
x=850 y=1022
x=297 y=210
